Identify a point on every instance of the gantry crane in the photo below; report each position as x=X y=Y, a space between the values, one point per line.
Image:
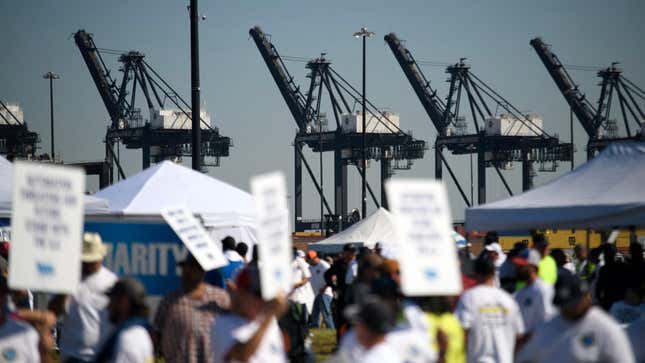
x=522 y=140
x=16 y=141
x=390 y=144
x=600 y=128
x=167 y=132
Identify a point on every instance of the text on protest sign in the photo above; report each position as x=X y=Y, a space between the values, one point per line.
x=429 y=264
x=46 y=228
x=274 y=238
x=194 y=236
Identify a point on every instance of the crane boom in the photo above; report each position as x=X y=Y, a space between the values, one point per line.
x=585 y=113
x=281 y=76
x=428 y=97
x=100 y=75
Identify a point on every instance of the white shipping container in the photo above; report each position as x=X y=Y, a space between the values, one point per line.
x=508 y=125
x=176 y=119
x=388 y=123
x=6 y=118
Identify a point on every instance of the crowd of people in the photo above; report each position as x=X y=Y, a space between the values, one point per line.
x=529 y=304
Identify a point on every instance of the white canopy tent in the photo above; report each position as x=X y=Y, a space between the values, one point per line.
x=224 y=209
x=378 y=227
x=608 y=191
x=92 y=204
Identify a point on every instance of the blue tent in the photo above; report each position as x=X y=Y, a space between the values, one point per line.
x=608 y=191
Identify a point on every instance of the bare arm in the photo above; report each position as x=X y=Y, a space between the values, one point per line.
x=43 y=321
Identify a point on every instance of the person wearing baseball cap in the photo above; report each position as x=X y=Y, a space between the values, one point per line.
x=324 y=294
x=496 y=254
x=535 y=299
x=581 y=332
x=128 y=311
x=371 y=320
x=249 y=332
x=85 y=325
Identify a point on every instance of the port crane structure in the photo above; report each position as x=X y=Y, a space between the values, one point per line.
x=523 y=141
x=127 y=124
x=392 y=147
x=16 y=141
x=600 y=127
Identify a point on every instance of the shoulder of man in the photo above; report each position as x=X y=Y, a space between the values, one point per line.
x=14 y=326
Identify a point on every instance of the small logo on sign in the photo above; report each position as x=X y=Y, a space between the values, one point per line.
x=9 y=354
x=45 y=268
x=431 y=274
x=587 y=340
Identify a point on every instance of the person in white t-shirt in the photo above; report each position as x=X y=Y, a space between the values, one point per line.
x=498 y=256
x=490 y=317
x=250 y=332
x=580 y=333
x=19 y=341
x=409 y=333
x=536 y=298
x=128 y=311
x=302 y=292
x=324 y=293
x=86 y=325
x=372 y=321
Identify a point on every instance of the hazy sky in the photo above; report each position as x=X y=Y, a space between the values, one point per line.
x=36 y=37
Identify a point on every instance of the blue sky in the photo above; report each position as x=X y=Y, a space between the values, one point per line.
x=238 y=90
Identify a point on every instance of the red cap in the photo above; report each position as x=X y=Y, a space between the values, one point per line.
x=312 y=254
x=519 y=261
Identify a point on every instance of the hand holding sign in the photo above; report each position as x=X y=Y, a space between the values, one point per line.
x=192 y=233
x=274 y=247
x=428 y=263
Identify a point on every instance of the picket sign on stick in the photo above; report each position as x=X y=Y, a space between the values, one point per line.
x=274 y=237
x=46 y=228
x=428 y=256
x=190 y=231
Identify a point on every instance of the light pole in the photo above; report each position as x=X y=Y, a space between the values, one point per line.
x=194 y=85
x=51 y=77
x=363 y=33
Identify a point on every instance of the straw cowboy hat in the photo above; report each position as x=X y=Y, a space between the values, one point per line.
x=93 y=248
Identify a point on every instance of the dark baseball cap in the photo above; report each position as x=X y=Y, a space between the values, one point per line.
x=569 y=289
x=373 y=313
x=349 y=248
x=131 y=288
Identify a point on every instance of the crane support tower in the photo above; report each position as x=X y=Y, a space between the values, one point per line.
x=600 y=127
x=498 y=140
x=166 y=134
x=386 y=142
x=16 y=141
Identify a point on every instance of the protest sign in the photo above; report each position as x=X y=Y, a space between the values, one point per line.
x=208 y=253
x=428 y=260
x=274 y=246
x=46 y=227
